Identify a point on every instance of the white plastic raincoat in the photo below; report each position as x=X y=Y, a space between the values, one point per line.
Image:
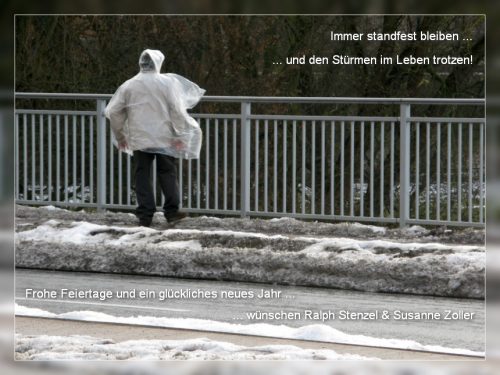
x=149 y=112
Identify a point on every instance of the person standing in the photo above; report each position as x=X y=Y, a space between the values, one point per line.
x=149 y=119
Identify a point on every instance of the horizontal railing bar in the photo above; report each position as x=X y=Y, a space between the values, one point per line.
x=273 y=99
x=71 y=96
x=433 y=120
x=118 y=207
x=54 y=112
x=325 y=217
x=262 y=214
x=278 y=117
x=127 y=207
x=216 y=115
x=121 y=207
x=322 y=118
x=444 y=222
x=55 y=203
x=210 y=211
x=343 y=100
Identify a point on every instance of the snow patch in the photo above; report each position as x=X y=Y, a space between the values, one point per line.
x=192 y=245
x=32 y=311
x=315 y=332
x=85 y=232
x=282 y=220
x=371 y=228
x=415 y=230
x=52 y=208
x=77 y=233
x=210 y=218
x=371 y=245
x=91 y=348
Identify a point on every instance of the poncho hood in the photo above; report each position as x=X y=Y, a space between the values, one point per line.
x=156 y=56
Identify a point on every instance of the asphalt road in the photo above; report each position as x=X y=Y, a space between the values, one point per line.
x=465 y=334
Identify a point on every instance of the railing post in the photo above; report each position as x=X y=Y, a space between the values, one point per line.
x=245 y=158
x=101 y=155
x=404 y=164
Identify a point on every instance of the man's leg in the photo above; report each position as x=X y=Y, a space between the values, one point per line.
x=143 y=162
x=166 y=167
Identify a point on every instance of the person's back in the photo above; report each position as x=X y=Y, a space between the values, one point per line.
x=147 y=111
x=150 y=111
x=148 y=116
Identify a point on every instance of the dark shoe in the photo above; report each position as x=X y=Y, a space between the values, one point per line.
x=145 y=222
x=175 y=217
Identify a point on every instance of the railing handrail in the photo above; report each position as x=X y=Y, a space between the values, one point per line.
x=273 y=99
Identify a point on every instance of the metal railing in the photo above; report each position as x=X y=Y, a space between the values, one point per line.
x=393 y=169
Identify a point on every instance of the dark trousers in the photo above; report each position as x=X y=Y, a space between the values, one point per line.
x=166 y=173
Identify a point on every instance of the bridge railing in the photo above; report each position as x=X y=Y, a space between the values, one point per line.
x=403 y=168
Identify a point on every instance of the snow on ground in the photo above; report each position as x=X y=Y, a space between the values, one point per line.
x=376 y=265
x=75 y=347
x=285 y=226
x=83 y=232
x=415 y=230
x=52 y=208
x=315 y=332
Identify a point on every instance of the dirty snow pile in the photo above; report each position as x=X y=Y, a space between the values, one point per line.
x=29 y=217
x=313 y=332
x=91 y=348
x=375 y=265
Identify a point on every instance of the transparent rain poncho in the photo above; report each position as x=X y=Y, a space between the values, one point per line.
x=149 y=111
